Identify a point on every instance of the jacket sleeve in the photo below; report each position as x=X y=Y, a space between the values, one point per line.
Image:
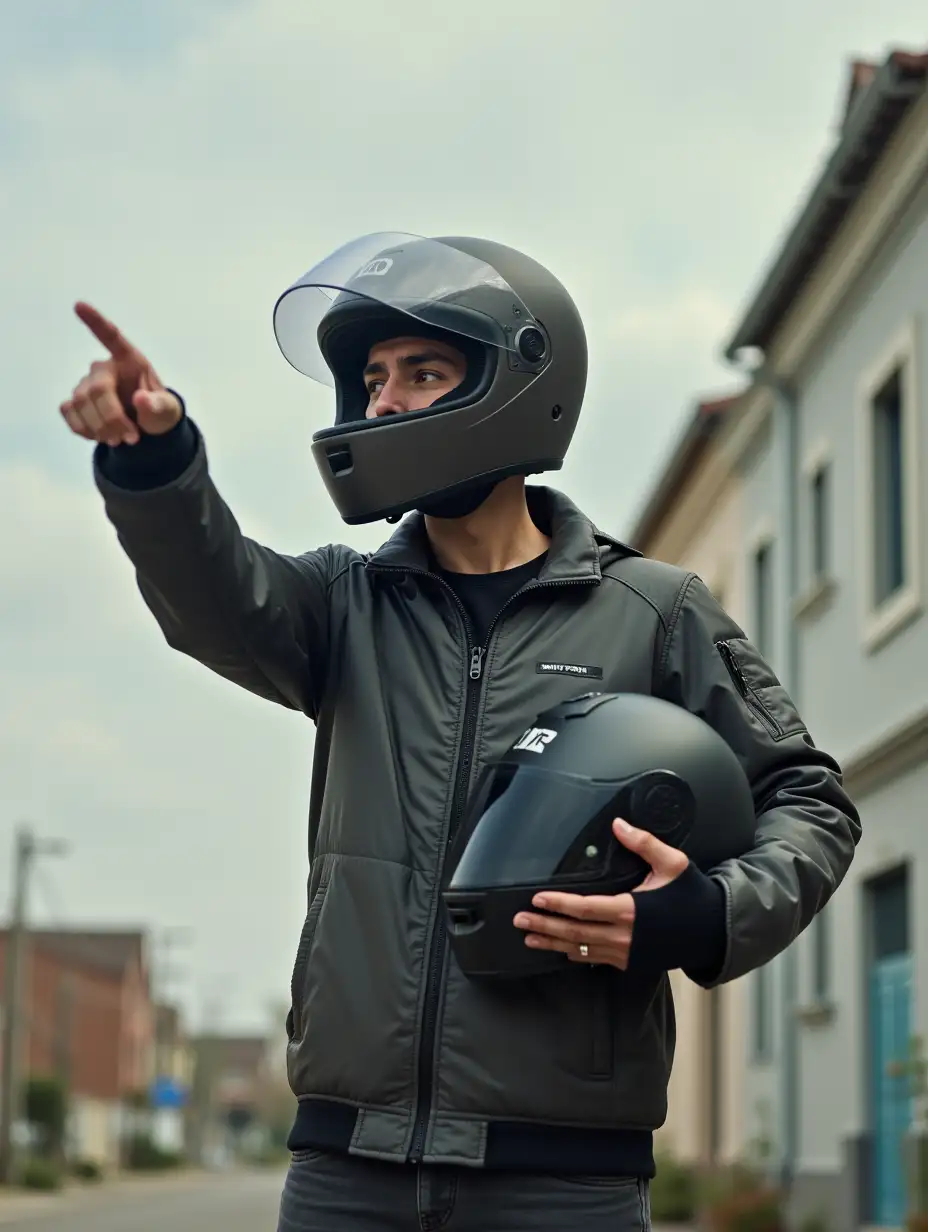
x=807 y=827
x=253 y=616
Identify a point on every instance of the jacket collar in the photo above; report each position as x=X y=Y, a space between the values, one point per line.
x=574 y=556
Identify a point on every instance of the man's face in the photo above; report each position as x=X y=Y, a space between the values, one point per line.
x=409 y=374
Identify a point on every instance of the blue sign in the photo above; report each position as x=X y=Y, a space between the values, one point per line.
x=167 y=1093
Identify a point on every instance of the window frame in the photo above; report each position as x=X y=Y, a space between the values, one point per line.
x=818 y=586
x=821 y=527
x=763 y=541
x=882 y=621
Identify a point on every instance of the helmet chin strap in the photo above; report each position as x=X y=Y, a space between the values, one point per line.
x=460 y=506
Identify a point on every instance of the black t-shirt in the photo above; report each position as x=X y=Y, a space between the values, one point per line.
x=485 y=594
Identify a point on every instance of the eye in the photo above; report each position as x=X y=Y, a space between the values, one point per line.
x=374 y=387
x=422 y=376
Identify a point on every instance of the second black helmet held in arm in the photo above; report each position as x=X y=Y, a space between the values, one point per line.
x=542 y=818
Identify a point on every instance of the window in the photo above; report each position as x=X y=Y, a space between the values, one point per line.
x=763 y=1013
x=820 y=519
x=889 y=902
x=763 y=598
x=890 y=575
x=821 y=957
x=889 y=495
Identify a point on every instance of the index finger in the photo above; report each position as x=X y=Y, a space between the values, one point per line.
x=105 y=331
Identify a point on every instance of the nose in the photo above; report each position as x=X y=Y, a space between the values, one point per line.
x=389 y=400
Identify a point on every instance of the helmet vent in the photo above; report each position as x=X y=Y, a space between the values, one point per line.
x=340 y=460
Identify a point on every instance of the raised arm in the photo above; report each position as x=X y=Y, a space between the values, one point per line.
x=254 y=616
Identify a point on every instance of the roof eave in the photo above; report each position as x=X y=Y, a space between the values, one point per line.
x=833 y=195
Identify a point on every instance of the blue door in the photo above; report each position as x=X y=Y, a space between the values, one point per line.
x=890 y=1033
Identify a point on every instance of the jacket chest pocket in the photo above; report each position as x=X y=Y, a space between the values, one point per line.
x=304 y=949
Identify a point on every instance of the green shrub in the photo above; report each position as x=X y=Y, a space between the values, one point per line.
x=747 y=1210
x=38 y=1173
x=86 y=1170
x=814 y=1221
x=143 y=1155
x=46 y=1108
x=270 y=1155
x=719 y=1184
x=673 y=1191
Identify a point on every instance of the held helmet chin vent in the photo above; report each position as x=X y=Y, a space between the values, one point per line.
x=541 y=818
x=516 y=410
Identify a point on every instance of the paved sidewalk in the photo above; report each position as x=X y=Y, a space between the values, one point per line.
x=16 y=1204
x=227 y=1201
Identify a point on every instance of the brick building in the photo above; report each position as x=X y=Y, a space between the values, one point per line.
x=89 y=1020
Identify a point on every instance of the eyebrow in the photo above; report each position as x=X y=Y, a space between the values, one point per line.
x=423 y=357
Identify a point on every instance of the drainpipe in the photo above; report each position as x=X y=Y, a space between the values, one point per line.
x=789 y=421
x=786 y=438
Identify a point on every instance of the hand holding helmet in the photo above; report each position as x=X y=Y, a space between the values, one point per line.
x=597 y=928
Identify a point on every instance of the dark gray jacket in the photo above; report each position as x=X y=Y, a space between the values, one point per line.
x=392 y=1052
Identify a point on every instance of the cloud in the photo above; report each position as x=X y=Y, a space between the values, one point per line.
x=694 y=317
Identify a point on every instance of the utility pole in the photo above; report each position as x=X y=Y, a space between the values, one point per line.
x=162 y=975
x=169 y=1124
x=206 y=1081
x=27 y=849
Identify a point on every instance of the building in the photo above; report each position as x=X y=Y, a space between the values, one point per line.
x=832 y=445
x=173 y=1067
x=693 y=519
x=88 y=1020
x=231 y=1075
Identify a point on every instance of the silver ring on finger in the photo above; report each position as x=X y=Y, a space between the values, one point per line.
x=584 y=950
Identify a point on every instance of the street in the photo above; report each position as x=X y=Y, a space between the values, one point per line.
x=224 y=1202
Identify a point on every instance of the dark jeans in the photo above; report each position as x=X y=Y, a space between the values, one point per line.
x=340 y=1193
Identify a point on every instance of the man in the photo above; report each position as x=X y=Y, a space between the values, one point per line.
x=428 y=1100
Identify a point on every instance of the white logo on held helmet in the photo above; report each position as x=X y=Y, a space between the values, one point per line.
x=377 y=267
x=535 y=740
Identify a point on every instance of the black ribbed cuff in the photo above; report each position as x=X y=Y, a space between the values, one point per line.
x=155 y=460
x=683 y=925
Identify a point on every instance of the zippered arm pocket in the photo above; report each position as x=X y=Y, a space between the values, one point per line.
x=759 y=688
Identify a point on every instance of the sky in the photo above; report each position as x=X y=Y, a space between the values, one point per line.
x=178 y=165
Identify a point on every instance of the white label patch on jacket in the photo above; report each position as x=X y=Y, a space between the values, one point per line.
x=549 y=668
x=535 y=740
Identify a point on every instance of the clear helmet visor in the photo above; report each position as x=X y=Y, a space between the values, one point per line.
x=429 y=282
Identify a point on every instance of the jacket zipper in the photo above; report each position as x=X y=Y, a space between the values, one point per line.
x=436 y=955
x=747 y=694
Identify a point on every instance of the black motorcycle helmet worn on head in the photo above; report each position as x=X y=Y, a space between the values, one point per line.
x=516 y=410
x=542 y=818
